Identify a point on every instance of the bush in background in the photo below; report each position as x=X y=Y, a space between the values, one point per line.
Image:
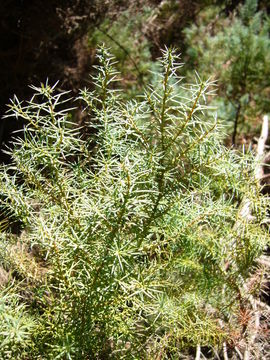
x=236 y=50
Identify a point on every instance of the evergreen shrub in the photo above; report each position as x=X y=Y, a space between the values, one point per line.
x=132 y=245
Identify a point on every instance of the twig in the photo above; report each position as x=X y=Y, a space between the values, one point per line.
x=256 y=323
x=238 y=352
x=260 y=147
x=225 y=354
x=198 y=352
x=216 y=354
x=236 y=123
x=262 y=305
x=265 y=176
x=245 y=211
x=264 y=260
x=246 y=354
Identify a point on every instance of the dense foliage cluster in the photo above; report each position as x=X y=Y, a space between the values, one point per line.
x=132 y=244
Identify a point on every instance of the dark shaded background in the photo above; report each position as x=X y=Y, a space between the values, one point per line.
x=40 y=39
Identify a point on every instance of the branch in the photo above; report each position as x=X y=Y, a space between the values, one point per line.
x=225 y=354
x=236 y=124
x=260 y=148
x=245 y=213
x=198 y=352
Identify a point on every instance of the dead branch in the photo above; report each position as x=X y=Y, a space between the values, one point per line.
x=225 y=354
x=198 y=352
x=245 y=213
x=260 y=148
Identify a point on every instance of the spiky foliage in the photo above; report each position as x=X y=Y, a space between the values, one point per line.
x=131 y=48
x=133 y=243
